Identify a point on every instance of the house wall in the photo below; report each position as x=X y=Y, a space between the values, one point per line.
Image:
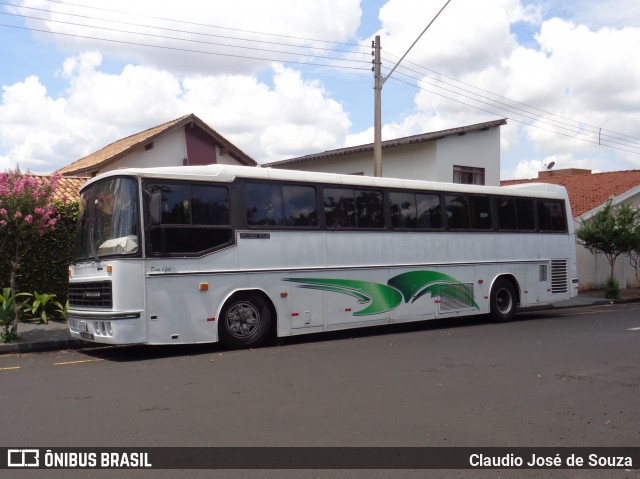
x=201 y=149
x=594 y=269
x=168 y=150
x=411 y=161
x=431 y=161
x=479 y=149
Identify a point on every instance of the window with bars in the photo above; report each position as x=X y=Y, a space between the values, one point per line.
x=468 y=175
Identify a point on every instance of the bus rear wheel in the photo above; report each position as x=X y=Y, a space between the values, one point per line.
x=245 y=322
x=503 y=300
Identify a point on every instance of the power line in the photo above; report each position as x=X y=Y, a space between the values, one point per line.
x=494 y=113
x=576 y=129
x=516 y=111
x=164 y=47
x=595 y=129
x=204 y=24
x=164 y=37
x=175 y=30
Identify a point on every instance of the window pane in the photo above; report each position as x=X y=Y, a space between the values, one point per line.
x=403 y=210
x=480 y=212
x=551 y=216
x=429 y=212
x=369 y=209
x=507 y=219
x=526 y=215
x=209 y=205
x=300 y=207
x=339 y=208
x=457 y=212
x=186 y=240
x=175 y=204
x=190 y=218
x=264 y=204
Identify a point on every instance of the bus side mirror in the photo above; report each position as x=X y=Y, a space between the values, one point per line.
x=155 y=208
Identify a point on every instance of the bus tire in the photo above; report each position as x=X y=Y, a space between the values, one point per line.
x=503 y=300
x=245 y=321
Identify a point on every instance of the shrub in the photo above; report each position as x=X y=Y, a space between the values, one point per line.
x=612 y=289
x=27 y=211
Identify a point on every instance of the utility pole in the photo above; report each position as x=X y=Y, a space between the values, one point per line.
x=377 y=120
x=378 y=83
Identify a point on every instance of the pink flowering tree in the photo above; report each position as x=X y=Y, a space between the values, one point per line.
x=26 y=213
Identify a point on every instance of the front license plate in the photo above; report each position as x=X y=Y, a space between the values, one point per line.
x=87 y=336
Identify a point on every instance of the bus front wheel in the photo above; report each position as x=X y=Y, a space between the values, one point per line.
x=503 y=300
x=245 y=322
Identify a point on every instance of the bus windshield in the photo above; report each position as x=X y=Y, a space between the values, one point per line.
x=108 y=220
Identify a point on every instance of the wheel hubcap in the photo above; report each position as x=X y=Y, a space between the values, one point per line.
x=504 y=301
x=242 y=319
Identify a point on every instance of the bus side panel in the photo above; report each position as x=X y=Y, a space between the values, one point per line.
x=418 y=248
x=266 y=250
x=179 y=312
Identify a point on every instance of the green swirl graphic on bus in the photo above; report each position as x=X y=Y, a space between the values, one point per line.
x=409 y=287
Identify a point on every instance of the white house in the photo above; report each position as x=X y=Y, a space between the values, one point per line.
x=184 y=141
x=469 y=154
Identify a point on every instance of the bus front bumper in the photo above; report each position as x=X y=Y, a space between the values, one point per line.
x=108 y=327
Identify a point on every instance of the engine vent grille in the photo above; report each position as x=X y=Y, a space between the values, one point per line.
x=93 y=294
x=456 y=297
x=559 y=276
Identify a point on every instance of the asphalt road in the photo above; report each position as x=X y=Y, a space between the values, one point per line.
x=554 y=378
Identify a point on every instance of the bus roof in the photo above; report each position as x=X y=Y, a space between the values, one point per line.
x=228 y=173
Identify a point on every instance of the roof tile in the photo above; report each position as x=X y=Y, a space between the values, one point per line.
x=588 y=191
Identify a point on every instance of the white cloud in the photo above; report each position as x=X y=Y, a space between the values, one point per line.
x=293 y=117
x=192 y=36
x=578 y=78
x=468 y=35
x=576 y=67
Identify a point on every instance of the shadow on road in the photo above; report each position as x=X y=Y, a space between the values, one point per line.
x=146 y=352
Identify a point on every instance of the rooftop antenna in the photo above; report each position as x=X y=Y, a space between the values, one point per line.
x=551 y=165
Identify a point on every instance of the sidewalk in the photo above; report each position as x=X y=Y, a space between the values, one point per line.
x=36 y=337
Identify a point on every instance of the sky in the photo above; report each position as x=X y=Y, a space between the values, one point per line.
x=286 y=78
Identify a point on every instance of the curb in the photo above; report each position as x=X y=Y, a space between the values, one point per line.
x=40 y=346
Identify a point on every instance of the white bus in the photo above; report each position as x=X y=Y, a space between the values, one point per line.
x=237 y=254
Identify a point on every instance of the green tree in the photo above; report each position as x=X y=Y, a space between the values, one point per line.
x=26 y=213
x=612 y=231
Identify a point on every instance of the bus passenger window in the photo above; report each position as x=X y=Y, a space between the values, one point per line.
x=480 y=212
x=403 y=210
x=300 y=207
x=526 y=215
x=175 y=204
x=551 y=216
x=369 y=209
x=194 y=218
x=457 y=212
x=507 y=218
x=264 y=204
x=339 y=208
x=429 y=212
x=209 y=205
